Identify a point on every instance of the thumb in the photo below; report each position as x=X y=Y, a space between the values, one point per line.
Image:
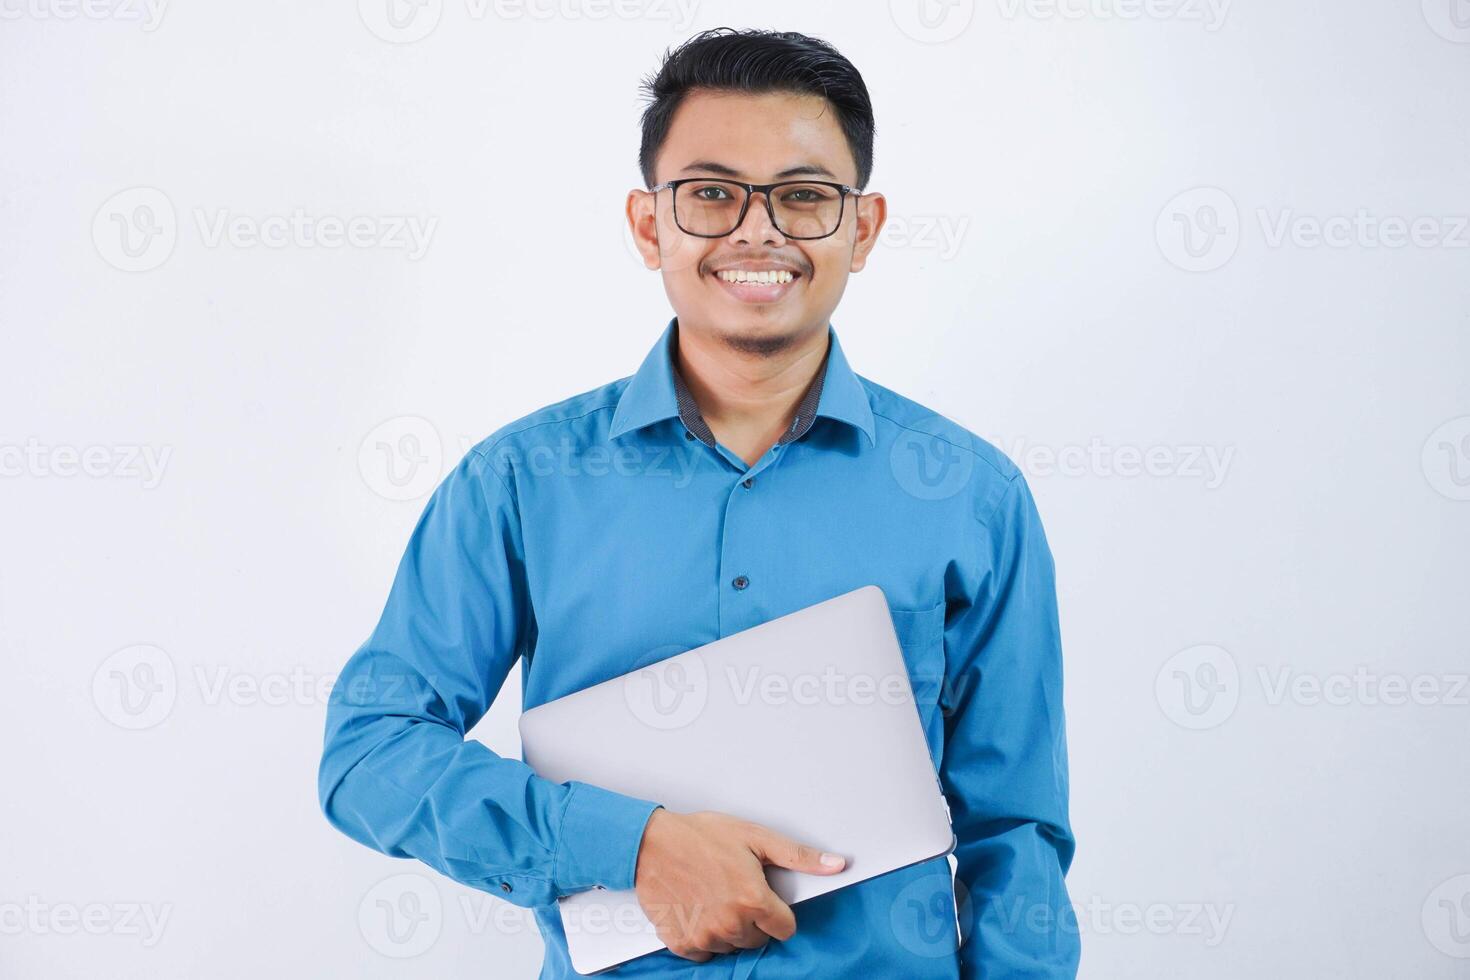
x=782 y=851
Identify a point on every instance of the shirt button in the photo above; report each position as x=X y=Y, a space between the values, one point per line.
x=746 y=483
x=689 y=436
x=740 y=581
x=505 y=886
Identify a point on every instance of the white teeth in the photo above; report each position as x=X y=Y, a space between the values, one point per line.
x=768 y=276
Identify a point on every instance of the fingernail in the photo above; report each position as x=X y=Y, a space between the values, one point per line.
x=831 y=860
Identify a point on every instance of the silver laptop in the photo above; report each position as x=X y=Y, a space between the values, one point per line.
x=806 y=724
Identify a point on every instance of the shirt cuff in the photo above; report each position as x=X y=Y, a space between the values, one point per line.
x=599 y=839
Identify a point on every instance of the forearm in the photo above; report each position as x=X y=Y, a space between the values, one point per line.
x=398 y=775
x=1005 y=766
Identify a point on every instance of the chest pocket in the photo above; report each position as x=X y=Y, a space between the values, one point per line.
x=921 y=635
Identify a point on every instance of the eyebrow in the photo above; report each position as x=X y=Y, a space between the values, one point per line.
x=801 y=170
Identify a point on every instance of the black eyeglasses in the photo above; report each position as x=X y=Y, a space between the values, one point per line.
x=707 y=207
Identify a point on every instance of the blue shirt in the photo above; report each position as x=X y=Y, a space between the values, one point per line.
x=600 y=534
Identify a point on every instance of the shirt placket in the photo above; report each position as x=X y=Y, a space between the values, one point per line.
x=740 y=580
x=740 y=564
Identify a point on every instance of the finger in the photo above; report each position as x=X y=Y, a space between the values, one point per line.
x=692 y=954
x=776 y=919
x=751 y=936
x=773 y=848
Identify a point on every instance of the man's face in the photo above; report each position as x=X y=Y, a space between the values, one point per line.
x=756 y=139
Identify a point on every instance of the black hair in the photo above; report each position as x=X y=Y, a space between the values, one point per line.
x=758 y=61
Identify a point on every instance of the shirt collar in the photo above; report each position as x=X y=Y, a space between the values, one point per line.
x=652 y=394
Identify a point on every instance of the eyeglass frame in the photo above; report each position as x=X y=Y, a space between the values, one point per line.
x=750 y=192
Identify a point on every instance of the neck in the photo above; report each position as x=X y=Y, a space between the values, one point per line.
x=749 y=397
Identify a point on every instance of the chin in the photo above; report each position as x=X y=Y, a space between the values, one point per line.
x=758 y=335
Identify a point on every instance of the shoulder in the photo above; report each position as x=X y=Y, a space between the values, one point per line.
x=567 y=425
x=905 y=427
x=579 y=414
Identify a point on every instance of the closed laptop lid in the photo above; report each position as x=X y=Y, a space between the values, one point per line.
x=806 y=724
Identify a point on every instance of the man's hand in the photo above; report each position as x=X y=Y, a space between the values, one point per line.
x=701 y=881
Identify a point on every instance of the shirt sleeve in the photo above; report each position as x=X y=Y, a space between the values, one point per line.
x=397 y=772
x=1004 y=768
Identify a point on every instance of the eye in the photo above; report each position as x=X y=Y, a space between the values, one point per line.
x=806 y=194
x=711 y=192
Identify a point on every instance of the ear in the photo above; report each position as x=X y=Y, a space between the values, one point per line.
x=643 y=223
x=872 y=212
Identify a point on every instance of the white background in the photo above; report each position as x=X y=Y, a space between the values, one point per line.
x=1265 y=655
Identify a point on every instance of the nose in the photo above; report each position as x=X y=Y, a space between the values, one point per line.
x=757 y=226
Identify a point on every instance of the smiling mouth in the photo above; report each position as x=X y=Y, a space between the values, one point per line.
x=757 y=286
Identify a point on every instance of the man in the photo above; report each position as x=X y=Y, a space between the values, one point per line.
x=745 y=471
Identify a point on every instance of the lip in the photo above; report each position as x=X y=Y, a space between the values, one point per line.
x=747 y=292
